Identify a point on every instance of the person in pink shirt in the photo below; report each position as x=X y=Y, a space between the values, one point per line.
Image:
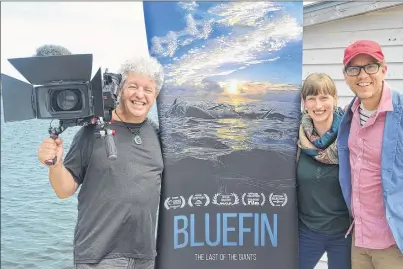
x=370 y=145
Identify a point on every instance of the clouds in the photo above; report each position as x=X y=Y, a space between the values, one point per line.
x=243 y=13
x=195 y=30
x=188 y=6
x=254 y=32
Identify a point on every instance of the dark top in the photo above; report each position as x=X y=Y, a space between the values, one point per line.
x=320 y=200
x=118 y=200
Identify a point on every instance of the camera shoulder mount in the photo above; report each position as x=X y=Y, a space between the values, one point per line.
x=102 y=131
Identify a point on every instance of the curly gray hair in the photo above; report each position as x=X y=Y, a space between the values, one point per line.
x=146 y=66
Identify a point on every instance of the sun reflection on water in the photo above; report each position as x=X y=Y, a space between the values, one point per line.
x=233 y=130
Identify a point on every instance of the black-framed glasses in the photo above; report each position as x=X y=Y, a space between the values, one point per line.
x=370 y=69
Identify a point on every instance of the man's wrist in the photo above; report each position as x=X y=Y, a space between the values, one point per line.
x=56 y=166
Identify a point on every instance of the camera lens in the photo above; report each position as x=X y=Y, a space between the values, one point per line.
x=67 y=99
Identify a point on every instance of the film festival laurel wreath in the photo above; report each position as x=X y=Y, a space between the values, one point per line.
x=232 y=199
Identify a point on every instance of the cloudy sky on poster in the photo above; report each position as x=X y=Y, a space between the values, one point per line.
x=259 y=41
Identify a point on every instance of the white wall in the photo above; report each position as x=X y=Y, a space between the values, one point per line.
x=324 y=46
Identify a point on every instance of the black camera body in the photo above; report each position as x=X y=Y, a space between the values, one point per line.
x=61 y=88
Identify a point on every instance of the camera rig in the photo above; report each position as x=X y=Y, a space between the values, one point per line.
x=60 y=87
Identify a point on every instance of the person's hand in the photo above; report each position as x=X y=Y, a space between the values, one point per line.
x=50 y=148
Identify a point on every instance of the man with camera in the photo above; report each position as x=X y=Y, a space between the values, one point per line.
x=118 y=199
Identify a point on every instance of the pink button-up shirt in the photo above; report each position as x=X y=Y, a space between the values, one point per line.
x=365 y=144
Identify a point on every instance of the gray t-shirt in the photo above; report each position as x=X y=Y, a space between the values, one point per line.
x=118 y=200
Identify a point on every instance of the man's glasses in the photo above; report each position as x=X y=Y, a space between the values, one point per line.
x=370 y=69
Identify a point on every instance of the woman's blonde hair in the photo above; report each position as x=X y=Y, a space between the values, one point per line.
x=318 y=83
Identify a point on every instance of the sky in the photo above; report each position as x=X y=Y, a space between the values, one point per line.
x=112 y=33
x=253 y=41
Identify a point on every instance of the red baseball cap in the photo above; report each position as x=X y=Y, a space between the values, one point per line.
x=368 y=47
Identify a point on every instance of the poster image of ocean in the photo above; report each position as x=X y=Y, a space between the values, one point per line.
x=229 y=114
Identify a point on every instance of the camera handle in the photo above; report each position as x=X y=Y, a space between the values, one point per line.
x=106 y=135
x=110 y=147
x=54 y=134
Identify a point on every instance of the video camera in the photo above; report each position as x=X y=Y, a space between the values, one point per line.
x=61 y=88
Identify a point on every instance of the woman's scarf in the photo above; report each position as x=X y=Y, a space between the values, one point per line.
x=324 y=148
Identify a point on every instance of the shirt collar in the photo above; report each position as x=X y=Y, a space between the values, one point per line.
x=385 y=104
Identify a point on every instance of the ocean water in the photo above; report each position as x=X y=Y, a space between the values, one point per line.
x=240 y=127
x=206 y=126
x=37 y=228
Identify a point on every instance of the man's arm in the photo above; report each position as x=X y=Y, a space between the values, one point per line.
x=66 y=176
x=62 y=181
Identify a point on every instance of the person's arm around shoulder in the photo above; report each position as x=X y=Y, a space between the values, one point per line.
x=60 y=178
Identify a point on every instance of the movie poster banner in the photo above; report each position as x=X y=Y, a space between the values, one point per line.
x=229 y=114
